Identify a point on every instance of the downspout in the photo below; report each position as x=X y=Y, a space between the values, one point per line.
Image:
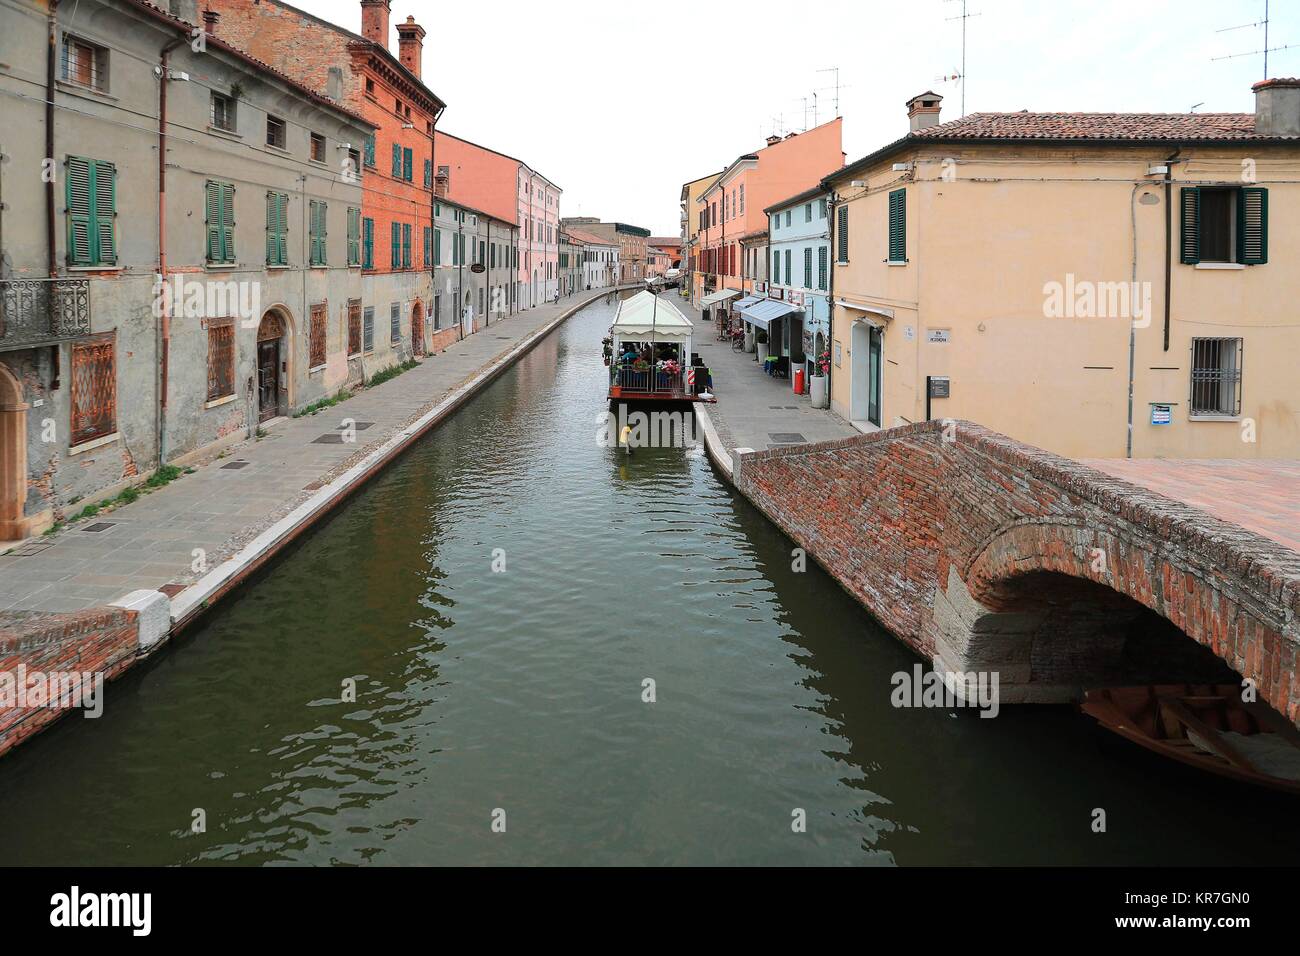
x=1169 y=235
x=165 y=331
x=51 y=242
x=460 y=273
x=1132 y=325
x=830 y=295
x=488 y=297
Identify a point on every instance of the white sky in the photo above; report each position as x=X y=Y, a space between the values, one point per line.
x=620 y=104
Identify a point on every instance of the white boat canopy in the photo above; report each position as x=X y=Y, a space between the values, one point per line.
x=722 y=295
x=646 y=314
x=765 y=310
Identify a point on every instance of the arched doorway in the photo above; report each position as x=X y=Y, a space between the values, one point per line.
x=13 y=457
x=417 y=328
x=272 y=367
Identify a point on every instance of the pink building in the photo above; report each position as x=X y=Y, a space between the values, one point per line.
x=509 y=189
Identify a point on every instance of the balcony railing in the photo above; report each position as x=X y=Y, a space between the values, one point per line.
x=37 y=312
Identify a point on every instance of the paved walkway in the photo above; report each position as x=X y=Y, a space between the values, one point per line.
x=755 y=410
x=1260 y=496
x=243 y=503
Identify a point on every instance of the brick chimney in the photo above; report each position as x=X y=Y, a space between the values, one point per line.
x=773 y=140
x=210 y=19
x=923 y=110
x=1277 y=107
x=440 y=182
x=410 y=42
x=374 y=21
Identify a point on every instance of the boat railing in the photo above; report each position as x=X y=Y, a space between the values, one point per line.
x=650 y=381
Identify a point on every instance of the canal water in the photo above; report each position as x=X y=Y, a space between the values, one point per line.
x=516 y=694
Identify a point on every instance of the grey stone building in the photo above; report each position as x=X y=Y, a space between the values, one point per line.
x=180 y=252
x=476 y=258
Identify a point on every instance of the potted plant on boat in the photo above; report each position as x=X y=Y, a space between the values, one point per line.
x=817 y=386
x=760 y=344
x=668 y=372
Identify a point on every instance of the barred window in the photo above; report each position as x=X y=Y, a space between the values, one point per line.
x=1216 y=377
x=221 y=358
x=94 y=390
x=316 y=343
x=354 y=327
x=85 y=64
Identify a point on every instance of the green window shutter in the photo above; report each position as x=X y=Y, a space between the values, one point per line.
x=437 y=247
x=368 y=244
x=406 y=245
x=1189 y=247
x=428 y=173
x=395 y=258
x=397 y=161
x=227 y=222
x=81 y=212
x=428 y=246
x=272 y=229
x=369 y=157
x=354 y=236
x=807 y=265
x=213 y=213
x=822 y=252
x=282 y=222
x=408 y=164
x=842 y=234
x=776 y=266
x=789 y=272
x=316 y=219
x=104 y=180
x=1252 y=225
x=898 y=225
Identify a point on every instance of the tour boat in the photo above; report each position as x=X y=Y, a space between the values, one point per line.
x=1204 y=725
x=648 y=352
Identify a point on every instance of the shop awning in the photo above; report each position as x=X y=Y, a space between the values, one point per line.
x=746 y=301
x=722 y=295
x=764 y=311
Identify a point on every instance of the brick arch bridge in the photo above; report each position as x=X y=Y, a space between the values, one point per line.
x=983 y=553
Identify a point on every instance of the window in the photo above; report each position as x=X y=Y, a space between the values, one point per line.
x=85 y=64
x=428 y=173
x=742 y=199
x=898 y=225
x=428 y=246
x=221 y=359
x=1216 y=377
x=821 y=209
x=354 y=166
x=277 y=229
x=275 y=132
x=367 y=243
x=821 y=267
x=395 y=323
x=1224 y=224
x=776 y=265
x=94 y=390
x=408 y=164
x=223 y=113
x=92 y=211
x=807 y=212
x=406 y=245
x=437 y=247
x=807 y=265
x=317 y=148
x=368 y=329
x=395 y=250
x=354 y=236
x=787 y=218
x=369 y=150
x=842 y=234
x=317 y=335
x=789 y=272
x=354 y=325
x=221 y=222
x=397 y=161
x=316 y=220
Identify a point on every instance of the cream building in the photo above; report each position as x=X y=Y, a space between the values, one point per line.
x=1099 y=285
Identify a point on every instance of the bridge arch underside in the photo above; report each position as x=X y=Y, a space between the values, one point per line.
x=1055 y=609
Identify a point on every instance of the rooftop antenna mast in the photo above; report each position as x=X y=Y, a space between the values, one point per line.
x=1265 y=51
x=962 y=75
x=836 y=71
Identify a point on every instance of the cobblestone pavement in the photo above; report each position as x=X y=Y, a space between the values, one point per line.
x=229 y=501
x=1261 y=496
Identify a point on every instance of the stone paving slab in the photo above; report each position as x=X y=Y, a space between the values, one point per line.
x=755 y=410
x=151 y=542
x=1261 y=496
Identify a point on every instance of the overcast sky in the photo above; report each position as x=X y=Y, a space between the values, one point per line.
x=619 y=104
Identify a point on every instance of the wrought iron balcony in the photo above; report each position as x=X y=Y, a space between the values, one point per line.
x=36 y=312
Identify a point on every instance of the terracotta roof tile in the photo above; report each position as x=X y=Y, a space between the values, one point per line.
x=1137 y=127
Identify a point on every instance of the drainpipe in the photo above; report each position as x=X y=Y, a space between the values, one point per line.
x=830 y=295
x=165 y=331
x=487 y=256
x=51 y=54
x=1169 y=235
x=460 y=274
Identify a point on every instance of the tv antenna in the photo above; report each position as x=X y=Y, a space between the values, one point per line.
x=961 y=76
x=1266 y=49
x=836 y=71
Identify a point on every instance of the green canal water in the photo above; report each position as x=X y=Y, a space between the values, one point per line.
x=521 y=690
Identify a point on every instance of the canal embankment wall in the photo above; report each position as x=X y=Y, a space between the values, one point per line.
x=983 y=553
x=108 y=641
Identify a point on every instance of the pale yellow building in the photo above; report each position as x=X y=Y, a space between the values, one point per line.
x=691 y=222
x=1011 y=269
